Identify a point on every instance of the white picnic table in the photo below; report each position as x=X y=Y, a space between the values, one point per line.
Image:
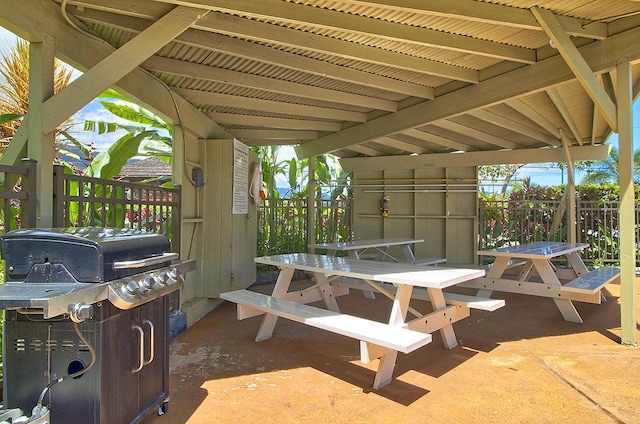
x=377 y=339
x=358 y=249
x=536 y=275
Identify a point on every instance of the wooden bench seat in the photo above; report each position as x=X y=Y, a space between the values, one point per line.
x=473 y=302
x=396 y=338
x=593 y=281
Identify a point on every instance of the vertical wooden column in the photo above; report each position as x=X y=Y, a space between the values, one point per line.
x=311 y=202
x=39 y=143
x=627 y=207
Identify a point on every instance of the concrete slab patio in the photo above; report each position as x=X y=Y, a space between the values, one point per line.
x=520 y=364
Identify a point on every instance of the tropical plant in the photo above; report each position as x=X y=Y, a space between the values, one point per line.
x=14 y=100
x=608 y=171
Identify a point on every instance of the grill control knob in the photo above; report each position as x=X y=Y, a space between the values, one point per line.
x=147 y=283
x=132 y=287
x=160 y=280
x=172 y=276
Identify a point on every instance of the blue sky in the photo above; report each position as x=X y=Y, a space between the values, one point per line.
x=541 y=174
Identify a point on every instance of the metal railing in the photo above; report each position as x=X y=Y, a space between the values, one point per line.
x=282 y=224
x=86 y=201
x=504 y=222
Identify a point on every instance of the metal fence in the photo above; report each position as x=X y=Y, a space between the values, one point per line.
x=282 y=224
x=85 y=201
x=504 y=222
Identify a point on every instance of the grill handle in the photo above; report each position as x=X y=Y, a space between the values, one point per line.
x=140 y=263
x=152 y=347
x=141 y=334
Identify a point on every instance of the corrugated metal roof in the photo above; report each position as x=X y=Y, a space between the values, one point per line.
x=366 y=64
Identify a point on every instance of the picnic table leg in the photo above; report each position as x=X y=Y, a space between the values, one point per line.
x=279 y=290
x=495 y=271
x=447 y=333
x=566 y=307
x=384 y=374
x=409 y=257
x=326 y=292
x=356 y=255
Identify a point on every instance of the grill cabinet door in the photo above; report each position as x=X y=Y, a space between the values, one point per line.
x=129 y=395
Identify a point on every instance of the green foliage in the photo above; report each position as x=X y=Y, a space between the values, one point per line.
x=530 y=212
x=109 y=164
x=607 y=171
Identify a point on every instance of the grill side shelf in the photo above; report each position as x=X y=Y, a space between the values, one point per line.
x=53 y=299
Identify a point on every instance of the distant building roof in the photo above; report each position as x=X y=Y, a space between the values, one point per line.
x=146 y=168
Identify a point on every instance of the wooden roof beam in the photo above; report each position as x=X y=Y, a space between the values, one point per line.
x=302 y=14
x=529 y=112
x=601 y=55
x=252 y=51
x=117 y=65
x=562 y=108
x=513 y=126
x=578 y=65
x=293 y=109
x=475 y=134
x=499 y=157
x=210 y=73
x=264 y=32
x=474 y=11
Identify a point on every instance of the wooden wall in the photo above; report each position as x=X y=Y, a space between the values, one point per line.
x=438 y=205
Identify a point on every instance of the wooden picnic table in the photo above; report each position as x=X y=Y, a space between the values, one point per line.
x=535 y=274
x=377 y=339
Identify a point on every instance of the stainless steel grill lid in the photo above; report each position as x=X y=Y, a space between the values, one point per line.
x=57 y=269
x=77 y=255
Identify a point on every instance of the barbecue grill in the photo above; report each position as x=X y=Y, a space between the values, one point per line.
x=86 y=322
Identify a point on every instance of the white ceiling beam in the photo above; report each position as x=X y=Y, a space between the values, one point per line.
x=436 y=139
x=268 y=33
x=601 y=55
x=209 y=73
x=275 y=134
x=400 y=145
x=566 y=114
x=271 y=122
x=578 y=65
x=513 y=126
x=121 y=62
x=532 y=114
x=301 y=14
x=230 y=101
x=252 y=51
x=475 y=134
x=499 y=157
x=365 y=150
x=488 y=13
x=267 y=142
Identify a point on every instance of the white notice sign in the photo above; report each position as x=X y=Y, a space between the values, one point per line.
x=240 y=178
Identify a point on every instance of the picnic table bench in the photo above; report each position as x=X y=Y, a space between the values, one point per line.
x=537 y=275
x=377 y=339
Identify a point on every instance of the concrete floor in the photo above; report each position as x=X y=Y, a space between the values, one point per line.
x=520 y=364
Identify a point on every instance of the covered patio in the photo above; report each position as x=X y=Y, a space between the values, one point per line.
x=413 y=96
